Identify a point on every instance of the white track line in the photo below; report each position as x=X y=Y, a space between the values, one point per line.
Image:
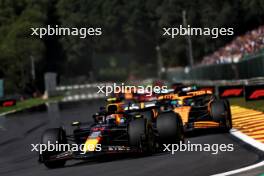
x=247 y=139
x=244 y=169
x=251 y=142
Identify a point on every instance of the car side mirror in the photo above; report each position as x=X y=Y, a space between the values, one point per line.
x=76 y=123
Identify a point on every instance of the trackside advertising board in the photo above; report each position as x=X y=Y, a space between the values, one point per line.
x=231 y=91
x=254 y=92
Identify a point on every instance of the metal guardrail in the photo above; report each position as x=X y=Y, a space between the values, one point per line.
x=90 y=91
x=255 y=81
x=80 y=91
x=251 y=81
x=80 y=86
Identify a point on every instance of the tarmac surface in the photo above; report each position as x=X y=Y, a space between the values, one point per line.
x=18 y=131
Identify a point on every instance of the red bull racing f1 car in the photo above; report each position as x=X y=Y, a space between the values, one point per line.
x=114 y=130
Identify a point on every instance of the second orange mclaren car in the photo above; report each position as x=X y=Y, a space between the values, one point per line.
x=199 y=109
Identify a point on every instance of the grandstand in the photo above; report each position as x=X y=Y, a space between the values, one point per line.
x=241 y=47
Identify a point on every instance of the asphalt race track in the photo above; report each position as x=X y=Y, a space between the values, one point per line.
x=19 y=130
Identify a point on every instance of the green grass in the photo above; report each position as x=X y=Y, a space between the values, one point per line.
x=29 y=103
x=256 y=105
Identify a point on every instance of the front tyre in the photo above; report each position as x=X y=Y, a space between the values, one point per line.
x=141 y=136
x=170 y=128
x=53 y=136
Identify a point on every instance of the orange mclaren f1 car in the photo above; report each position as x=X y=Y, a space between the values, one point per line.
x=199 y=109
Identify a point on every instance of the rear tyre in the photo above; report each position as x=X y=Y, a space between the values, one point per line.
x=141 y=135
x=220 y=112
x=170 y=128
x=53 y=136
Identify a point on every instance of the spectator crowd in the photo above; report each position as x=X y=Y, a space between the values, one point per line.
x=250 y=43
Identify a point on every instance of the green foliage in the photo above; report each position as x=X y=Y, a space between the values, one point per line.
x=129 y=27
x=16 y=43
x=27 y=104
x=256 y=105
